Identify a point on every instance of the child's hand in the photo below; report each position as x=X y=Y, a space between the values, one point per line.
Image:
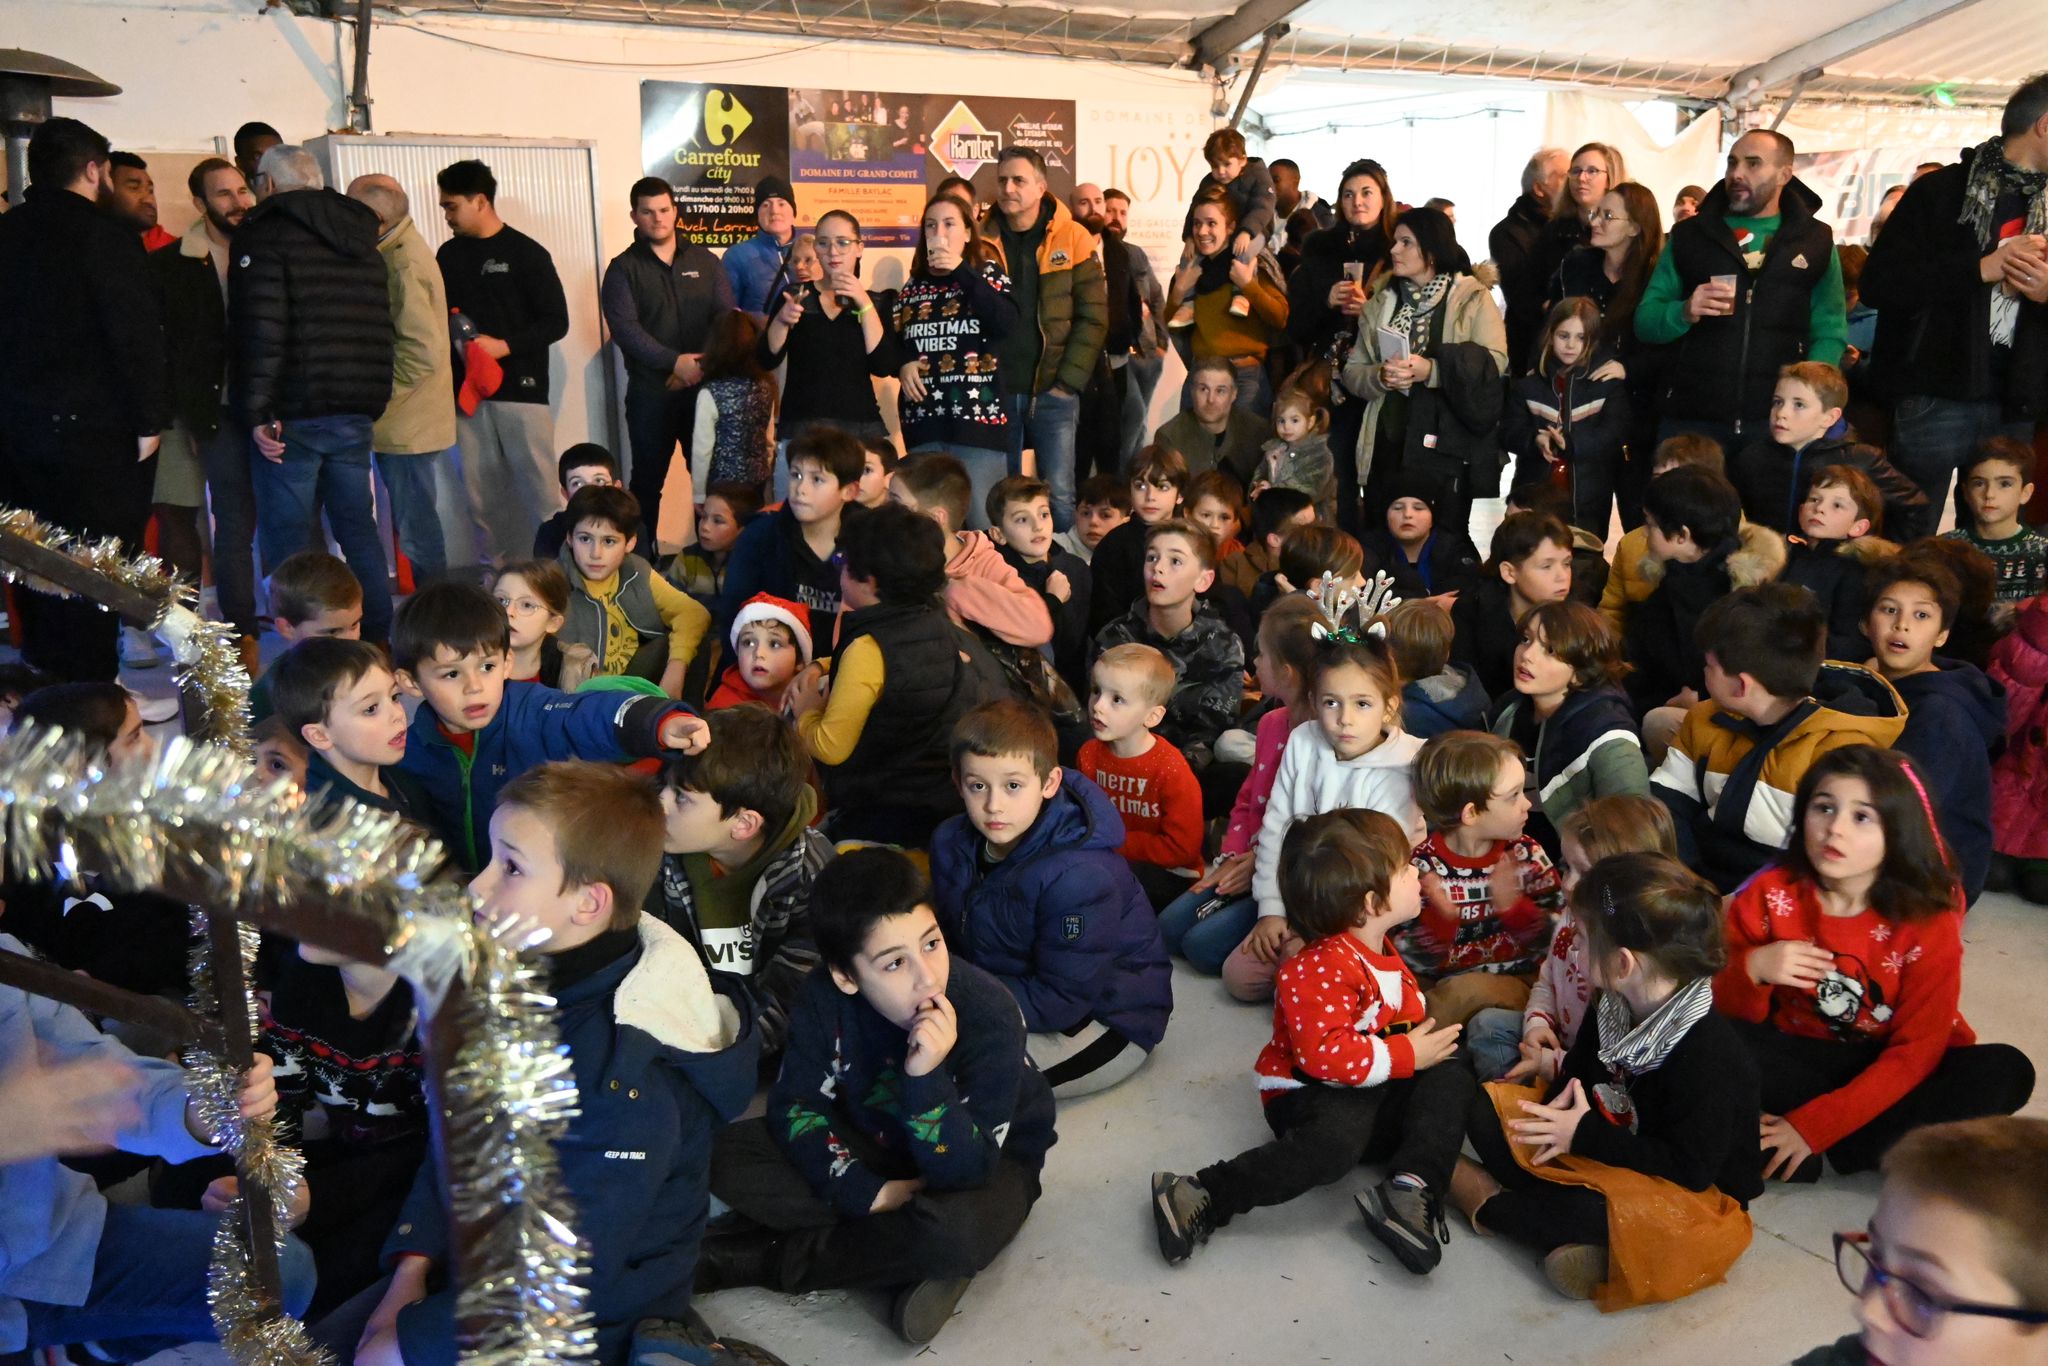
x=672 y=678
x=258 y=1099
x=1504 y=883
x=1433 y=1043
x=895 y=1194
x=933 y=1032
x=579 y=666
x=685 y=732
x=1550 y=444
x=378 y=1345
x=1438 y=913
x=69 y=1107
x=806 y=692
x=1685 y=699
x=1242 y=243
x=1262 y=945
x=224 y=1191
x=1056 y=586
x=1549 y=1128
x=1783 y=1147
x=1795 y=963
x=1242 y=271
x=1231 y=877
x=1537 y=1064
x=1540 y=1035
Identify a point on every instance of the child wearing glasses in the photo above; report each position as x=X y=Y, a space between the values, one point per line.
x=1953 y=1268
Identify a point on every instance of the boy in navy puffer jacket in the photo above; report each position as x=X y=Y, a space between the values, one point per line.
x=1030 y=887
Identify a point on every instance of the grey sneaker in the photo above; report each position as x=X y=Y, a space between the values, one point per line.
x=1576 y=1270
x=1409 y=1220
x=1180 y=1214
x=922 y=1308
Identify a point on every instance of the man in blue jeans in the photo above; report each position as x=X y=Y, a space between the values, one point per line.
x=310 y=313
x=1063 y=307
x=1959 y=279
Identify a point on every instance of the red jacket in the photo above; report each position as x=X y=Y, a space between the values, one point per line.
x=1341 y=1014
x=1894 y=983
x=2019 y=777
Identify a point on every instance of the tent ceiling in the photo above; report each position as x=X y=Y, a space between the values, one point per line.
x=1648 y=46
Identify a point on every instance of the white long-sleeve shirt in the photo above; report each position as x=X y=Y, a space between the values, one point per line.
x=1313 y=780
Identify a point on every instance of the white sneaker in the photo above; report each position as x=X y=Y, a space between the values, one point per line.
x=138 y=649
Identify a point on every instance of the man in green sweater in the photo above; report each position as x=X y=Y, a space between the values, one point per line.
x=1745 y=286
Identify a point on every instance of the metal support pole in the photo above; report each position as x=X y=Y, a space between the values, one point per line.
x=359 y=94
x=1271 y=36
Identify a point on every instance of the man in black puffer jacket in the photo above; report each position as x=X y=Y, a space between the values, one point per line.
x=310 y=313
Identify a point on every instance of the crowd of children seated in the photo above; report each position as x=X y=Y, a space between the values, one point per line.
x=1592 y=893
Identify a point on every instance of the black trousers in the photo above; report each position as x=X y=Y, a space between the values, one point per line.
x=939 y=1235
x=657 y=421
x=1346 y=419
x=1533 y=1212
x=1414 y=1125
x=81 y=475
x=1982 y=1079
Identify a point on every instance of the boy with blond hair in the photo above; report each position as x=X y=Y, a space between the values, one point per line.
x=1145 y=777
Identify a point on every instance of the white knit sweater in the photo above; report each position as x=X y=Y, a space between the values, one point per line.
x=1313 y=780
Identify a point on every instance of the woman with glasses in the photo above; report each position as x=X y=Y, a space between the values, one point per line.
x=836 y=339
x=1953 y=1270
x=1340 y=266
x=1595 y=169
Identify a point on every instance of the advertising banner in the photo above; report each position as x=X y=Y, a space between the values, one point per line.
x=874 y=154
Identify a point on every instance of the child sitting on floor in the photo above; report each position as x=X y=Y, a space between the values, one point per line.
x=1773 y=469
x=1569 y=715
x=1355 y=755
x=1838 y=525
x=637 y=623
x=982 y=590
x=1632 y=1172
x=1029 y=884
x=1530 y=1044
x=771 y=642
x=1208 y=658
x=279 y=753
x=311 y=594
x=1212 y=917
x=2019 y=777
x=1215 y=502
x=1436 y=695
x=1997 y=485
x=1488 y=888
x=582 y=465
x=1154 y=478
x=1354 y=1072
x=699 y=568
x=535 y=596
x=1948 y=1272
x=790 y=553
x=1406 y=544
x=1274 y=514
x=1844 y=976
x=1145 y=777
x=1627 y=584
x=878 y=468
x=1101 y=505
x=1531 y=564
x=740 y=858
x=341 y=700
x=1020 y=522
x=1299 y=455
x=905 y=1134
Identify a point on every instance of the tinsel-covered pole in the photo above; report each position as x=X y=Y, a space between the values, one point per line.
x=94 y=997
x=231 y=986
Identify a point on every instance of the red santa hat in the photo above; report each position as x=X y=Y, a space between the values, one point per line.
x=768 y=607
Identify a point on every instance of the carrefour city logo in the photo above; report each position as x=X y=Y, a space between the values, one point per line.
x=725 y=118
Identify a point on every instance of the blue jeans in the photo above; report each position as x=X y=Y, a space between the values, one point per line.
x=1932 y=438
x=326 y=464
x=985 y=469
x=1205 y=943
x=1141 y=378
x=409 y=483
x=148 y=1290
x=1494 y=1038
x=1045 y=423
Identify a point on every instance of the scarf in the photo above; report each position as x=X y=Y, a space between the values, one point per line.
x=1629 y=1050
x=1215 y=272
x=1992 y=176
x=1411 y=319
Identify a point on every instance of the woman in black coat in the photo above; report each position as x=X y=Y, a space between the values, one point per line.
x=1325 y=296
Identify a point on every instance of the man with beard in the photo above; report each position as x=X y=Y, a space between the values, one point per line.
x=1746 y=286
x=132 y=195
x=1149 y=341
x=1098 y=442
x=83 y=394
x=1290 y=202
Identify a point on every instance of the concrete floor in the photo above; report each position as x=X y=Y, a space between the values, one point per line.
x=1084 y=1283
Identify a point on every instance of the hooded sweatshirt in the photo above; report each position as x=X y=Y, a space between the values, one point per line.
x=1312 y=780
x=1061 y=921
x=982 y=589
x=1954 y=723
x=1730 y=783
x=664 y=1057
x=1452 y=700
x=1586 y=749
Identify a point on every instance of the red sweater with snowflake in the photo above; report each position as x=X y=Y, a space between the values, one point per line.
x=1897 y=984
x=1341 y=1014
x=1159 y=799
x=1481 y=935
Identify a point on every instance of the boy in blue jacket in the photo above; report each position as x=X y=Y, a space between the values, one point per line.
x=662 y=1060
x=905 y=1135
x=1955 y=712
x=1031 y=888
x=340 y=699
x=476 y=732
x=114 y=1282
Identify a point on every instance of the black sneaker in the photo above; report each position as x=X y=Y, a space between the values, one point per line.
x=923 y=1308
x=729 y=1260
x=1409 y=1220
x=1180 y=1214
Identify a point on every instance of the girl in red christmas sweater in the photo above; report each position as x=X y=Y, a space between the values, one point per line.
x=1844 y=974
x=1355 y=1071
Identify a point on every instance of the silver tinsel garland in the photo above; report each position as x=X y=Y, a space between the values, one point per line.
x=508 y=1091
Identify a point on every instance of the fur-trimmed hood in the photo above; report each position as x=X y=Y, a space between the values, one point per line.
x=1759 y=558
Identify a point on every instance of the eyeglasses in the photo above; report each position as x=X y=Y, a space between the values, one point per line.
x=1609 y=216
x=1916 y=1310
x=839 y=243
x=1587 y=170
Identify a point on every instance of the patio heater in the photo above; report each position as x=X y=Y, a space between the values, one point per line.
x=28 y=82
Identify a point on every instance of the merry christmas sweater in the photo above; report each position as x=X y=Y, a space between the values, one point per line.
x=1340 y=1016
x=1159 y=799
x=1481 y=936
x=1894 y=983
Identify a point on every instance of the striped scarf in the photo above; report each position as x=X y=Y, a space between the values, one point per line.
x=1991 y=175
x=1629 y=1050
